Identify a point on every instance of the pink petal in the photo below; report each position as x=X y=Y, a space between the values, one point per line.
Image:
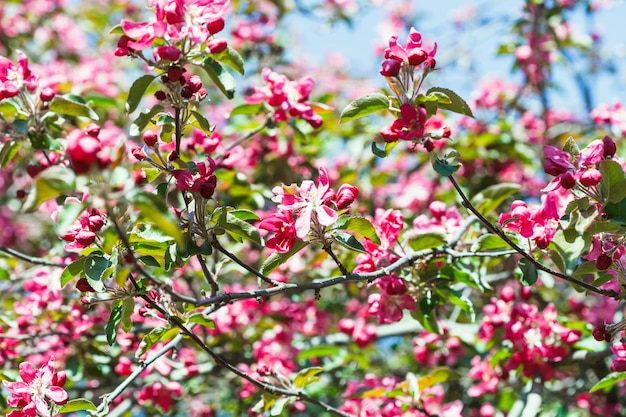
x=303 y=223
x=57 y=394
x=325 y=215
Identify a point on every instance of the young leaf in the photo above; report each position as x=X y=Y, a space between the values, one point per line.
x=459 y=300
x=359 y=225
x=349 y=242
x=143 y=120
x=489 y=242
x=78 y=404
x=427 y=241
x=381 y=153
x=49 y=184
x=276 y=259
x=154 y=209
x=128 y=308
x=137 y=90
x=114 y=322
x=609 y=381
x=220 y=77
x=529 y=272
x=613 y=183
x=457 y=104
x=202 y=320
x=246 y=108
x=365 y=105
x=443 y=166
x=64 y=105
x=307 y=376
x=72 y=270
x=232 y=58
x=202 y=122
x=239 y=229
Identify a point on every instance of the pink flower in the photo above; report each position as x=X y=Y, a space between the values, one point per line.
x=309 y=201
x=282 y=224
x=37 y=386
x=13 y=77
x=388 y=308
x=203 y=181
x=289 y=99
x=411 y=54
x=409 y=126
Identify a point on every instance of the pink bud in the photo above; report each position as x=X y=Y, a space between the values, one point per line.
x=169 y=52
x=346 y=325
x=83 y=285
x=174 y=73
x=609 y=147
x=138 y=154
x=417 y=56
x=160 y=95
x=195 y=83
x=150 y=138
x=591 y=177
x=345 y=196
x=603 y=262
x=215 y=26
x=567 y=180
x=390 y=68
x=217 y=45
x=47 y=94
x=92 y=130
x=95 y=223
x=85 y=237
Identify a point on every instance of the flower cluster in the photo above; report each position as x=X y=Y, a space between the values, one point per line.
x=196 y=21
x=202 y=181
x=288 y=99
x=413 y=121
x=82 y=232
x=536 y=338
x=314 y=206
x=161 y=395
x=580 y=169
x=612 y=115
x=38 y=386
x=14 y=77
x=84 y=150
x=536 y=222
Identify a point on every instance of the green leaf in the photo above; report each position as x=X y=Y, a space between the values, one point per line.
x=365 y=105
x=95 y=265
x=307 y=376
x=318 y=352
x=202 y=122
x=616 y=212
x=150 y=340
x=489 y=242
x=137 y=91
x=349 y=242
x=279 y=405
x=491 y=197
x=220 y=77
x=459 y=300
x=72 y=270
x=232 y=58
x=427 y=241
x=202 y=320
x=381 y=153
x=246 y=109
x=237 y=228
x=609 y=381
x=64 y=105
x=243 y=214
x=359 y=225
x=613 y=183
x=8 y=152
x=153 y=208
x=143 y=120
x=457 y=104
x=78 y=404
x=529 y=272
x=67 y=214
x=128 y=308
x=114 y=322
x=443 y=166
x=49 y=184
x=276 y=259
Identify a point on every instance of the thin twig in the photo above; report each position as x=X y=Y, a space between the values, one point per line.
x=208 y=275
x=32 y=259
x=219 y=247
x=518 y=249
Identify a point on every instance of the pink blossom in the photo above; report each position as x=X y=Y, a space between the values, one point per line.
x=38 y=386
x=13 y=77
x=283 y=226
x=409 y=126
x=289 y=99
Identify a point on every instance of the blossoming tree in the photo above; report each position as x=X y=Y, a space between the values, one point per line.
x=193 y=225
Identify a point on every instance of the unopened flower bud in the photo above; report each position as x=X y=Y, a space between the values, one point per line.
x=47 y=94
x=215 y=26
x=150 y=138
x=567 y=180
x=609 y=147
x=85 y=237
x=603 y=262
x=174 y=73
x=92 y=130
x=591 y=177
x=217 y=45
x=345 y=196
x=160 y=95
x=83 y=286
x=390 y=68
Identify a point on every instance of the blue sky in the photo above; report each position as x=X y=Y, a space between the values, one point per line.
x=317 y=39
